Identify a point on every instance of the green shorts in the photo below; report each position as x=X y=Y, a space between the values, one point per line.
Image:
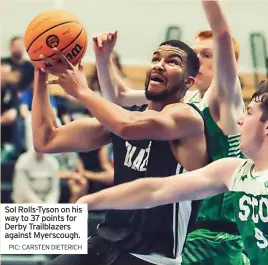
x=203 y=247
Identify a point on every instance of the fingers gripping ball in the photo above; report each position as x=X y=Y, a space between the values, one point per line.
x=55 y=28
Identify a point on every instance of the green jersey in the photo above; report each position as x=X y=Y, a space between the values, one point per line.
x=216 y=240
x=250 y=193
x=219 y=207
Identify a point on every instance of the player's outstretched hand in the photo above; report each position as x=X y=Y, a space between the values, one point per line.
x=72 y=80
x=104 y=43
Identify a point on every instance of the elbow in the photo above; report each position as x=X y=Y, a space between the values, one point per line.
x=39 y=148
x=38 y=143
x=42 y=142
x=122 y=131
x=125 y=130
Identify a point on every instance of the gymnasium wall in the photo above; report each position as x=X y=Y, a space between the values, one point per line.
x=141 y=23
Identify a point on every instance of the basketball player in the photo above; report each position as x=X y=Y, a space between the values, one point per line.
x=247 y=179
x=143 y=139
x=216 y=238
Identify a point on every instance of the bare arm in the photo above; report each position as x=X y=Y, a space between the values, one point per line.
x=106 y=177
x=151 y=192
x=125 y=96
x=81 y=135
x=8 y=116
x=113 y=86
x=80 y=166
x=225 y=89
x=226 y=83
x=173 y=122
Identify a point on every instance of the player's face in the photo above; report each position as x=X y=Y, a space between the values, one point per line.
x=166 y=73
x=204 y=51
x=252 y=130
x=17 y=48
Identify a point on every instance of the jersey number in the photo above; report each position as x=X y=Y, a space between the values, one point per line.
x=262 y=241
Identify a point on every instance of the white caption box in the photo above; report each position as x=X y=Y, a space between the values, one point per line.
x=44 y=229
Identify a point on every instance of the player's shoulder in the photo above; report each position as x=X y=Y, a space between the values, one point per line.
x=182 y=106
x=231 y=161
x=186 y=112
x=230 y=167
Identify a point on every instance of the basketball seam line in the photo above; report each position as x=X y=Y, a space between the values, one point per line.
x=48 y=30
x=36 y=60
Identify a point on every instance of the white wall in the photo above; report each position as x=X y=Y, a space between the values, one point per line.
x=141 y=23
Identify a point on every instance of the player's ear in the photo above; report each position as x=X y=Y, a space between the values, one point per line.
x=189 y=81
x=266 y=128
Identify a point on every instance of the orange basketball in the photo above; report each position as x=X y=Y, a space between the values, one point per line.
x=55 y=28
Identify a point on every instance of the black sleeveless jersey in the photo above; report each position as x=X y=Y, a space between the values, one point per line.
x=160 y=230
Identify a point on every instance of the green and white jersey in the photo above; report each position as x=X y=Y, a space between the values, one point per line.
x=194 y=98
x=219 y=207
x=250 y=193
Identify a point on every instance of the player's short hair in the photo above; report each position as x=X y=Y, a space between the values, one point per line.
x=208 y=34
x=192 y=59
x=14 y=39
x=261 y=96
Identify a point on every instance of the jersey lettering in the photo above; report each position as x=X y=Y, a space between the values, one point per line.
x=140 y=161
x=254 y=209
x=244 y=204
x=130 y=152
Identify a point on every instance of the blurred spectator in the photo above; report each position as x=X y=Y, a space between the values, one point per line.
x=25 y=103
x=24 y=137
x=98 y=168
x=63 y=108
x=72 y=177
x=8 y=114
x=22 y=71
x=36 y=179
x=75 y=109
x=78 y=186
x=61 y=99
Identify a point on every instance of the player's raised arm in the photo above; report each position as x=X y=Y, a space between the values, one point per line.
x=225 y=85
x=113 y=87
x=81 y=135
x=152 y=192
x=174 y=121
